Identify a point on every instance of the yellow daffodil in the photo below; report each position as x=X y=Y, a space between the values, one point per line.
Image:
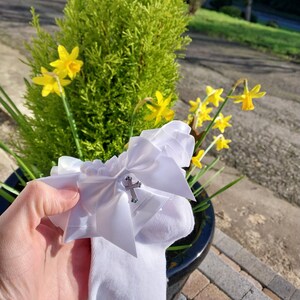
x=221 y=143
x=190 y=119
x=214 y=96
x=194 y=104
x=160 y=109
x=222 y=122
x=247 y=96
x=203 y=114
x=67 y=64
x=196 y=159
x=49 y=81
x=200 y=110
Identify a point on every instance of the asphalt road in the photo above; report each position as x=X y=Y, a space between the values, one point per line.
x=282 y=22
x=19 y=10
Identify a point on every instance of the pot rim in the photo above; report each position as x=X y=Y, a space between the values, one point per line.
x=194 y=255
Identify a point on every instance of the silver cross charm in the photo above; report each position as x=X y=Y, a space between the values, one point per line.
x=131 y=186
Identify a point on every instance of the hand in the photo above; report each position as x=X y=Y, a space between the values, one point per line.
x=34 y=263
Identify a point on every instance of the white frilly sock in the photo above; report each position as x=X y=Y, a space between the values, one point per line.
x=115 y=274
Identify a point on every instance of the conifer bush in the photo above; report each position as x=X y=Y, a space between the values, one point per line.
x=129 y=50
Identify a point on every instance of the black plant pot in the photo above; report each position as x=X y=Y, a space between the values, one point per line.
x=179 y=265
x=14 y=182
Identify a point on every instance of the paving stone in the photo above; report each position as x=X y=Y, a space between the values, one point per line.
x=228 y=246
x=228 y=280
x=230 y=262
x=182 y=297
x=211 y=292
x=296 y=295
x=254 y=267
x=252 y=280
x=215 y=250
x=195 y=284
x=281 y=287
x=255 y=294
x=271 y=294
x=218 y=236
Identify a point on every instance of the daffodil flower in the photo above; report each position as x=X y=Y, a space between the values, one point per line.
x=247 y=96
x=221 y=142
x=50 y=82
x=160 y=109
x=190 y=119
x=194 y=104
x=214 y=96
x=200 y=112
x=67 y=64
x=222 y=122
x=203 y=114
x=196 y=159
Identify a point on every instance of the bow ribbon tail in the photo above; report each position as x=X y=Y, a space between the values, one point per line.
x=114 y=223
x=110 y=215
x=148 y=205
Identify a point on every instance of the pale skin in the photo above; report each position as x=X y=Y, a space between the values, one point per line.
x=34 y=262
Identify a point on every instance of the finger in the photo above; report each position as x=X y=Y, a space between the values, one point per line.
x=39 y=200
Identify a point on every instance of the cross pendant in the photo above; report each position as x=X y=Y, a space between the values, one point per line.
x=131 y=186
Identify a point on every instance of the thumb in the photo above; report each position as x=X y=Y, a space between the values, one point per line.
x=39 y=200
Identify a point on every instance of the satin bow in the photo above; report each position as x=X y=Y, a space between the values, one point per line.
x=118 y=197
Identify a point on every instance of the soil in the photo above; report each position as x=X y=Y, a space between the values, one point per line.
x=261 y=212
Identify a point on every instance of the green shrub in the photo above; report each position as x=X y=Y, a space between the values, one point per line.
x=129 y=50
x=232 y=11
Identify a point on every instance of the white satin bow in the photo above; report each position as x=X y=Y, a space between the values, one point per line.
x=106 y=207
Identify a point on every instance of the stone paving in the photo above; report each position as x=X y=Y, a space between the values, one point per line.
x=229 y=271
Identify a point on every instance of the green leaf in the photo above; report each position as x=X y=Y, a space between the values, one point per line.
x=13 y=110
x=179 y=248
x=206 y=184
x=6 y=196
x=227 y=186
x=202 y=208
x=9 y=188
x=202 y=172
x=20 y=162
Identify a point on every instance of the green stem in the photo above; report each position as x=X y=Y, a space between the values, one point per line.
x=206 y=184
x=213 y=120
x=72 y=124
x=70 y=119
x=189 y=173
x=203 y=171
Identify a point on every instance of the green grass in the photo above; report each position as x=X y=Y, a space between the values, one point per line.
x=278 y=41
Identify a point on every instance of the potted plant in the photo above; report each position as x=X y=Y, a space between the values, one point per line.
x=95 y=84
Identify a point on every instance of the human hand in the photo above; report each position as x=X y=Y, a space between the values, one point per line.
x=34 y=262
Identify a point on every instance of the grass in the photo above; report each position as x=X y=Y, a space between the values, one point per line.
x=278 y=41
